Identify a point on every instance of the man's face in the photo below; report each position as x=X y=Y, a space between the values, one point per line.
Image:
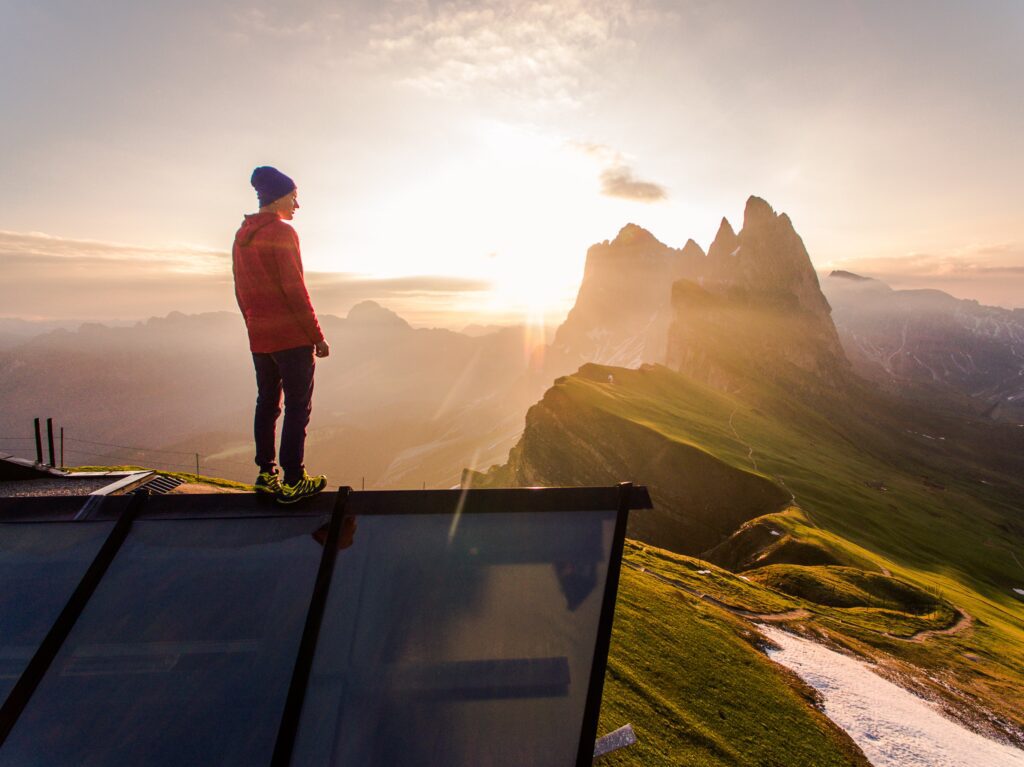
x=287 y=205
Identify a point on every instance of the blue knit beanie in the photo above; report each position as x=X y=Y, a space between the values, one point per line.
x=270 y=184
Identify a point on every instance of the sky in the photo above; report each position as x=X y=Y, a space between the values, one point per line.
x=455 y=160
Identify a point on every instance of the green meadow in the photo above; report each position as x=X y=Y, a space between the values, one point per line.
x=902 y=540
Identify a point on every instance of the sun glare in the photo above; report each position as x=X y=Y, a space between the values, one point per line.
x=513 y=207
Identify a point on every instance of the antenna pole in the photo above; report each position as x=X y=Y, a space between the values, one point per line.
x=49 y=441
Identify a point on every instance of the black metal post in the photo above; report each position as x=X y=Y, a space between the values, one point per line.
x=289 y=727
x=62 y=447
x=39 y=443
x=49 y=441
x=44 y=655
x=592 y=708
x=197 y=464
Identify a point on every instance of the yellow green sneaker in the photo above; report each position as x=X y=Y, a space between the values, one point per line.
x=267 y=483
x=306 y=487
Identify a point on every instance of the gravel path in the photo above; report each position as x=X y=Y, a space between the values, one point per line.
x=55 y=486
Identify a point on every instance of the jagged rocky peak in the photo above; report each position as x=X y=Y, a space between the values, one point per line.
x=625 y=303
x=771 y=261
x=725 y=243
x=623 y=308
x=755 y=306
x=758 y=211
x=692 y=250
x=633 y=248
x=631 y=234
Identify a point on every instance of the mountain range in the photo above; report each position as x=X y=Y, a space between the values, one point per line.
x=927 y=344
x=770 y=456
x=835 y=455
x=394 y=407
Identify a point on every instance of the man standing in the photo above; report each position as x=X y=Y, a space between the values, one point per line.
x=284 y=334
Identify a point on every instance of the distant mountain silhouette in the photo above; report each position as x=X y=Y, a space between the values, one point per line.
x=372 y=313
x=926 y=343
x=397 y=405
x=14 y=331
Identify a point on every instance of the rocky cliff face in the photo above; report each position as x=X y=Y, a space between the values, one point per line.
x=766 y=262
x=622 y=312
x=752 y=303
x=755 y=308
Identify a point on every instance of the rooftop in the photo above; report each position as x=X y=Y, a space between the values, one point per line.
x=374 y=628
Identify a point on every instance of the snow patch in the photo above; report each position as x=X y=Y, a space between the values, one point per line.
x=1020 y=591
x=892 y=727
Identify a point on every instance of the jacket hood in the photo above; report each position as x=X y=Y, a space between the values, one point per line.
x=253 y=223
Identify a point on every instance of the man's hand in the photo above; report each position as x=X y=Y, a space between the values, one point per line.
x=321 y=348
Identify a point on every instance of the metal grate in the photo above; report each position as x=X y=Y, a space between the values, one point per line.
x=159 y=485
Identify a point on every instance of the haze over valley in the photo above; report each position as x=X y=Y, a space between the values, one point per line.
x=828 y=451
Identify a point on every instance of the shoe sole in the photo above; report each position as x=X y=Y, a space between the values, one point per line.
x=284 y=500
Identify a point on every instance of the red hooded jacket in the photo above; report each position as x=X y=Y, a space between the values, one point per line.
x=269 y=286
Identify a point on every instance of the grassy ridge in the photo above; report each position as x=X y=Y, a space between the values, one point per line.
x=848 y=587
x=929 y=500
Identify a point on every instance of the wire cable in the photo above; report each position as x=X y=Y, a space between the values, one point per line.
x=128 y=447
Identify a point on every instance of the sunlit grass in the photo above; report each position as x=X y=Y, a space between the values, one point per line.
x=867 y=496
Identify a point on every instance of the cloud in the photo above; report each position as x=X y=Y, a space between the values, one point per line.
x=618 y=181
x=277 y=23
x=534 y=49
x=38 y=244
x=992 y=258
x=989 y=273
x=48 y=277
x=617 y=177
x=412 y=284
x=335 y=293
x=1000 y=269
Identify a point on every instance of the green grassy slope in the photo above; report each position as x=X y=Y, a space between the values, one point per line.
x=665 y=677
x=929 y=499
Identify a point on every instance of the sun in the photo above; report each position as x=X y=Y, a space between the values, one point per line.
x=512 y=207
x=529 y=290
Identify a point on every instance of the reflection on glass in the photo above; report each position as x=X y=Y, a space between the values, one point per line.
x=346 y=535
x=41 y=564
x=58 y=507
x=470 y=651
x=184 y=654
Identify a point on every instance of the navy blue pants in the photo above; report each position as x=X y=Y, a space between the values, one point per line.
x=289 y=371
